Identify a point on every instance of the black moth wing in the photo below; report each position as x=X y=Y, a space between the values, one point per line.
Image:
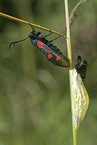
x=52 y=55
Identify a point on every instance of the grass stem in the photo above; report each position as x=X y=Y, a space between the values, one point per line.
x=31 y=24
x=70 y=57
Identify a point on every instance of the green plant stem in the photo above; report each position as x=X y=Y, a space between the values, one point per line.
x=70 y=57
x=68 y=33
x=73 y=13
x=31 y=24
x=74 y=136
x=73 y=128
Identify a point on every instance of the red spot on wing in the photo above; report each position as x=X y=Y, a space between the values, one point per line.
x=40 y=44
x=49 y=51
x=49 y=56
x=58 y=58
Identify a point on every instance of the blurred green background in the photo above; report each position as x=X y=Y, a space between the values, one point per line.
x=34 y=94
